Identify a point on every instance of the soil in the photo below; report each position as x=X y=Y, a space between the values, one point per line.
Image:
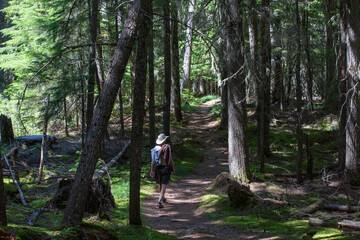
x=182 y=216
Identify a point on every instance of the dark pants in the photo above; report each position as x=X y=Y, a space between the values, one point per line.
x=162 y=174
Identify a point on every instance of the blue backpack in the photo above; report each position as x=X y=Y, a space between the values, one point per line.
x=156 y=155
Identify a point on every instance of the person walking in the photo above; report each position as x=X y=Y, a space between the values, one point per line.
x=162 y=160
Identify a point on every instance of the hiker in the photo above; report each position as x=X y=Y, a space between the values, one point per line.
x=162 y=159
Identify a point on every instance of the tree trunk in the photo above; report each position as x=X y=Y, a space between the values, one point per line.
x=188 y=46
x=121 y=109
x=3 y=219
x=342 y=90
x=65 y=119
x=167 y=70
x=353 y=59
x=7 y=134
x=175 y=73
x=278 y=91
x=44 y=144
x=152 y=129
x=309 y=74
x=80 y=189
x=267 y=74
x=138 y=108
x=223 y=70
x=298 y=98
x=237 y=123
x=92 y=63
x=330 y=64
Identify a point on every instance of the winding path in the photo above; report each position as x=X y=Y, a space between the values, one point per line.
x=181 y=217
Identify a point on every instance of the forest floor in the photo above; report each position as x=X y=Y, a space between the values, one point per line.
x=182 y=215
x=188 y=215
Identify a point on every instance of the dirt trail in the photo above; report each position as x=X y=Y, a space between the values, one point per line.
x=181 y=217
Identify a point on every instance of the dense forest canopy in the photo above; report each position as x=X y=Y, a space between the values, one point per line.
x=101 y=60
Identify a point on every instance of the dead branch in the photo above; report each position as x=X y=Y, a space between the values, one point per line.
x=8 y=155
x=310 y=209
x=16 y=182
x=291 y=174
x=35 y=216
x=112 y=162
x=342 y=208
x=274 y=166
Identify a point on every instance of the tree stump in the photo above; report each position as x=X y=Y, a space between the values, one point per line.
x=221 y=182
x=100 y=198
x=240 y=195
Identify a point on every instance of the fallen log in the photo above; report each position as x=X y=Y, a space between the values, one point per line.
x=35 y=139
x=112 y=162
x=316 y=222
x=35 y=216
x=16 y=182
x=349 y=224
x=291 y=174
x=310 y=209
x=342 y=208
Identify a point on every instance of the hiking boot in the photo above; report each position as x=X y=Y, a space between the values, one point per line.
x=164 y=200
x=160 y=205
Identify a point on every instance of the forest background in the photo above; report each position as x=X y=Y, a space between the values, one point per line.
x=103 y=60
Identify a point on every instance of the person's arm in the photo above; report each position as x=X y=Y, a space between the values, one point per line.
x=152 y=170
x=171 y=161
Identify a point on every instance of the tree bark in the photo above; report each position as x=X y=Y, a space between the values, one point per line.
x=7 y=134
x=278 y=91
x=330 y=64
x=94 y=8
x=175 y=72
x=353 y=59
x=78 y=196
x=152 y=129
x=66 y=119
x=44 y=143
x=3 y=218
x=188 y=46
x=342 y=82
x=298 y=98
x=167 y=70
x=237 y=123
x=138 y=108
x=223 y=70
x=309 y=74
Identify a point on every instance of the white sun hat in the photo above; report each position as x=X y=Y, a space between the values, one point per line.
x=161 y=139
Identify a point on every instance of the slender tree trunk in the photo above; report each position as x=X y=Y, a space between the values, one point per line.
x=266 y=61
x=65 y=119
x=309 y=74
x=278 y=91
x=342 y=89
x=79 y=193
x=121 y=109
x=353 y=59
x=44 y=152
x=3 y=218
x=152 y=134
x=237 y=137
x=138 y=108
x=330 y=64
x=188 y=46
x=167 y=70
x=223 y=68
x=298 y=98
x=175 y=72
x=92 y=63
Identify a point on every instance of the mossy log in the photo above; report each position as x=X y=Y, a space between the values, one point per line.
x=310 y=209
